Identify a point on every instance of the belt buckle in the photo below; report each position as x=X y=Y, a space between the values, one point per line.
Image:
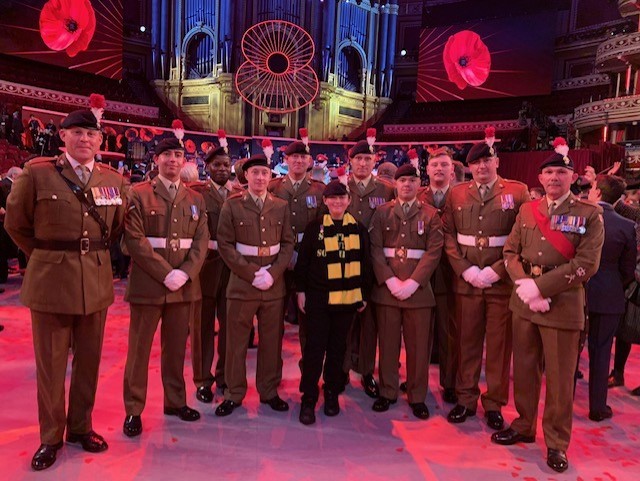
x=84 y=245
x=174 y=244
x=264 y=251
x=536 y=271
x=401 y=253
x=482 y=241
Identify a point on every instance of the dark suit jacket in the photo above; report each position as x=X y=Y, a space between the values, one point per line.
x=605 y=290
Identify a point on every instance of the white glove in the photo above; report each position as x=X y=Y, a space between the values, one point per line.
x=488 y=276
x=471 y=276
x=527 y=290
x=175 y=279
x=540 y=305
x=393 y=284
x=302 y=301
x=262 y=280
x=407 y=289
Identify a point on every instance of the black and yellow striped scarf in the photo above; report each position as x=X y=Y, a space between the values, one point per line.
x=343 y=254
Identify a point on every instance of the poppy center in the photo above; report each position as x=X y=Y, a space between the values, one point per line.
x=463 y=61
x=71 y=25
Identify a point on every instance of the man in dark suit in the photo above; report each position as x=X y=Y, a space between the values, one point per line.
x=605 y=290
x=8 y=249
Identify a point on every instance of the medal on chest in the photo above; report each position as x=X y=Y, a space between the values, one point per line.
x=420 y=227
x=375 y=202
x=312 y=202
x=106 y=195
x=575 y=224
x=194 y=213
x=507 y=202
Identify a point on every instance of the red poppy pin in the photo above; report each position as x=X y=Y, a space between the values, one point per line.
x=467 y=59
x=67 y=25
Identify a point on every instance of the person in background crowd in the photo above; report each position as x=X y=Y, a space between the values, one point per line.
x=387 y=171
x=605 y=290
x=67 y=246
x=189 y=173
x=8 y=248
x=553 y=249
x=536 y=193
x=333 y=281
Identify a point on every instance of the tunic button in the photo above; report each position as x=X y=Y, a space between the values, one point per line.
x=295 y=200
x=480 y=218
x=359 y=212
x=459 y=208
x=263 y=229
x=153 y=212
x=174 y=249
x=54 y=196
x=264 y=243
x=175 y=220
x=479 y=232
x=539 y=253
x=175 y=206
x=482 y=204
x=543 y=238
x=404 y=222
x=262 y=218
x=401 y=235
x=86 y=214
x=85 y=233
x=175 y=234
x=293 y=213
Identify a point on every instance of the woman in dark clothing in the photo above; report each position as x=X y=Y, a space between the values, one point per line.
x=333 y=280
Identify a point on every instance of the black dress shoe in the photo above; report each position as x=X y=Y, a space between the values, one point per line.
x=185 y=413
x=276 y=403
x=226 y=407
x=449 y=396
x=91 y=441
x=494 y=420
x=132 y=426
x=615 y=379
x=510 y=436
x=459 y=414
x=204 y=394
x=370 y=386
x=382 y=404
x=331 y=404
x=45 y=456
x=420 y=410
x=601 y=415
x=308 y=412
x=557 y=460
x=403 y=386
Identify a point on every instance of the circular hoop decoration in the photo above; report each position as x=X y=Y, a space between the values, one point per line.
x=276 y=76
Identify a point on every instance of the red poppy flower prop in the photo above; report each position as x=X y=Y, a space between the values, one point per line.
x=267 y=148
x=67 y=25
x=190 y=146
x=467 y=59
x=131 y=134
x=206 y=146
x=146 y=135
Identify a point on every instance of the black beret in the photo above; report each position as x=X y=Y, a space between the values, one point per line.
x=557 y=160
x=213 y=153
x=297 y=147
x=479 y=151
x=258 y=159
x=361 y=147
x=335 y=187
x=406 y=170
x=80 y=118
x=170 y=143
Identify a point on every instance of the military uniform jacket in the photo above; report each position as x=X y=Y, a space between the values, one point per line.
x=564 y=284
x=443 y=277
x=152 y=213
x=241 y=221
x=376 y=193
x=422 y=229
x=466 y=213
x=213 y=267
x=304 y=203
x=42 y=206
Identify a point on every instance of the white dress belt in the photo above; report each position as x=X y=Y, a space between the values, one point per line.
x=164 y=243
x=256 y=251
x=482 y=241
x=408 y=253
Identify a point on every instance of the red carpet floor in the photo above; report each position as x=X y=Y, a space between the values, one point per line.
x=256 y=443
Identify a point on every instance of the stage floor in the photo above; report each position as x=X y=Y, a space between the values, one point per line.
x=255 y=443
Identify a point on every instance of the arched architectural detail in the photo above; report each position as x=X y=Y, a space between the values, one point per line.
x=200 y=53
x=351 y=62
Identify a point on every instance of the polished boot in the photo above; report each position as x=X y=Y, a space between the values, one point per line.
x=459 y=414
x=226 y=407
x=601 y=415
x=509 y=436
x=557 y=460
x=331 y=404
x=308 y=412
x=370 y=386
x=45 y=456
x=132 y=426
x=276 y=403
x=185 y=413
x=420 y=410
x=91 y=441
x=204 y=394
x=494 y=420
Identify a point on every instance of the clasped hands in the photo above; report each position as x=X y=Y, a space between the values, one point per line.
x=480 y=278
x=528 y=292
x=262 y=279
x=401 y=290
x=175 y=279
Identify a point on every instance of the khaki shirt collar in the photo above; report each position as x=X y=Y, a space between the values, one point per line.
x=167 y=183
x=559 y=201
x=75 y=164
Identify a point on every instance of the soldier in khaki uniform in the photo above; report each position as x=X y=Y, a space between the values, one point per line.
x=367 y=193
x=406 y=245
x=256 y=242
x=304 y=196
x=441 y=179
x=68 y=284
x=166 y=235
x=214 y=278
x=554 y=248
x=479 y=216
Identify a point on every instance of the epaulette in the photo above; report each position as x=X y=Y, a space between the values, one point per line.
x=42 y=160
x=106 y=166
x=140 y=185
x=198 y=184
x=587 y=202
x=461 y=185
x=236 y=195
x=512 y=181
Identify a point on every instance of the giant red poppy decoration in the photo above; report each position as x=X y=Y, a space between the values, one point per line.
x=67 y=25
x=467 y=59
x=190 y=146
